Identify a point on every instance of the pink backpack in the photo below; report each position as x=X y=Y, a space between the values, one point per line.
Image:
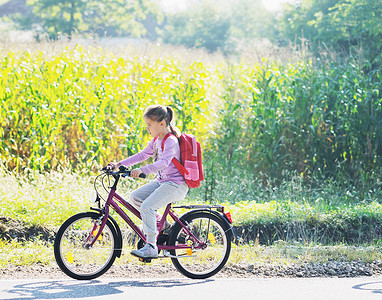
x=190 y=166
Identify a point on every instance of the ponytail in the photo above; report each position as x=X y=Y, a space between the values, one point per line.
x=174 y=130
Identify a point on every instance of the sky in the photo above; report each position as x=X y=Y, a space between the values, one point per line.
x=171 y=5
x=274 y=5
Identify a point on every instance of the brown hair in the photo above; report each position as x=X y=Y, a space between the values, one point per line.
x=158 y=113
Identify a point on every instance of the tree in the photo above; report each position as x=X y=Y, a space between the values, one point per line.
x=202 y=26
x=345 y=25
x=115 y=17
x=358 y=26
x=218 y=24
x=250 y=19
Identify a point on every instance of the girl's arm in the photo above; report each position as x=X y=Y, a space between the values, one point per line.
x=171 y=147
x=140 y=156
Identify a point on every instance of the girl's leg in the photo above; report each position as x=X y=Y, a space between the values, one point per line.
x=166 y=193
x=139 y=195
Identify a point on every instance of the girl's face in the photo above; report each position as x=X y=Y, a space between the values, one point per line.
x=156 y=129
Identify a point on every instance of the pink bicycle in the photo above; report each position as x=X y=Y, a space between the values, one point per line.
x=198 y=242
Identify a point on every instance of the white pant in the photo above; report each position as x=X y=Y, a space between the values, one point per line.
x=152 y=196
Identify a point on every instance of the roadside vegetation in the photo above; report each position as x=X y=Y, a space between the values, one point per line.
x=272 y=229
x=292 y=139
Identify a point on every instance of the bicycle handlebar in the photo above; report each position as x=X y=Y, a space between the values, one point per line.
x=122 y=171
x=127 y=173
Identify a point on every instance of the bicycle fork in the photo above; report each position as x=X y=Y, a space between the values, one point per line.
x=94 y=235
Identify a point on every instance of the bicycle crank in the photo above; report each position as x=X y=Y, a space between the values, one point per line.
x=167 y=254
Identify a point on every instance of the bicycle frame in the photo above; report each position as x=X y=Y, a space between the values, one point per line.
x=106 y=212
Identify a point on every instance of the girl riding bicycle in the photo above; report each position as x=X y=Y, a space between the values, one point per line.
x=169 y=185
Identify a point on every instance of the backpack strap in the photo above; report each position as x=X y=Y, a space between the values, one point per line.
x=176 y=162
x=165 y=138
x=180 y=167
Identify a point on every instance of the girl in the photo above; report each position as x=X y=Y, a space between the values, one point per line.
x=169 y=185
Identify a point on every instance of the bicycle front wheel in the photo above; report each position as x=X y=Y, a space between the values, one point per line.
x=209 y=229
x=74 y=258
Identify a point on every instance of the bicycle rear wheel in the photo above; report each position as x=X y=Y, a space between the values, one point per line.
x=207 y=228
x=78 y=261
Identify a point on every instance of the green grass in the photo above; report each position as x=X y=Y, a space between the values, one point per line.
x=25 y=253
x=43 y=199
x=28 y=253
x=48 y=199
x=291 y=212
x=284 y=253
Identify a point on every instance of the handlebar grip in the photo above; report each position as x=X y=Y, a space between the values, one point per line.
x=127 y=173
x=142 y=175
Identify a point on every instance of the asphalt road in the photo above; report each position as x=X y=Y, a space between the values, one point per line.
x=214 y=288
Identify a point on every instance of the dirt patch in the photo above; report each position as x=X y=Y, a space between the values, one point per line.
x=138 y=270
x=11 y=229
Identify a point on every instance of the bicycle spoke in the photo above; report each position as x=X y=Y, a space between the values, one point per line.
x=197 y=262
x=72 y=250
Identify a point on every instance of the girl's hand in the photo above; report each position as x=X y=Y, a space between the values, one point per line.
x=135 y=173
x=113 y=165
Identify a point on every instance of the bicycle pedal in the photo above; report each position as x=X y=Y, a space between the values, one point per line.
x=145 y=260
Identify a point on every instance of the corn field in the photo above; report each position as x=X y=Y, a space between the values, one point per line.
x=315 y=120
x=83 y=107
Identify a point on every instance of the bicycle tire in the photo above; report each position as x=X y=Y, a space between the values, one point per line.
x=73 y=258
x=201 y=264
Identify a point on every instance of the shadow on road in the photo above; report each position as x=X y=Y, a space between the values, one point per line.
x=84 y=289
x=374 y=287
